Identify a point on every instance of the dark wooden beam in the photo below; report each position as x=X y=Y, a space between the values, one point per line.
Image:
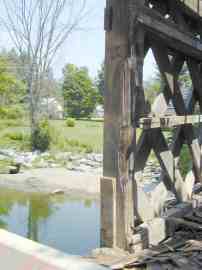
x=189 y=11
x=170 y=33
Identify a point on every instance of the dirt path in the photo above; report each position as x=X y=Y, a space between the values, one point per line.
x=49 y=180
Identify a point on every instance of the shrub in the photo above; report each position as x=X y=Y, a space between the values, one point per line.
x=70 y=122
x=3 y=112
x=12 y=112
x=15 y=112
x=16 y=139
x=15 y=136
x=87 y=148
x=41 y=137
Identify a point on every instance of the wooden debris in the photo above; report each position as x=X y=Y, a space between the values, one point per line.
x=181 y=251
x=187 y=224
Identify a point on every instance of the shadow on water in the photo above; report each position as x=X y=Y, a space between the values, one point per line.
x=65 y=223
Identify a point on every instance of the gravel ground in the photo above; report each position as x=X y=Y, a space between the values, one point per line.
x=50 y=180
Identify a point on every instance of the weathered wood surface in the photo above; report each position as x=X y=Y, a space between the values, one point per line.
x=170 y=33
x=173 y=30
x=180 y=244
x=190 y=7
x=117 y=126
x=181 y=250
x=169 y=121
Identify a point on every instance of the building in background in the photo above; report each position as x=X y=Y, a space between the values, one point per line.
x=51 y=108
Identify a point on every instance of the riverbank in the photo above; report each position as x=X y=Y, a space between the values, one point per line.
x=53 y=180
x=66 y=172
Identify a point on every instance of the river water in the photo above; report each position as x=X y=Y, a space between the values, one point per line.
x=69 y=224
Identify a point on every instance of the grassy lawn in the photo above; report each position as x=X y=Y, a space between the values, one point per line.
x=85 y=134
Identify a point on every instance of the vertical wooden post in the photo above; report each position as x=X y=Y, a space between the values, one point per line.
x=115 y=218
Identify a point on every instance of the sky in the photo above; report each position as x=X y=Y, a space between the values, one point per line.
x=86 y=47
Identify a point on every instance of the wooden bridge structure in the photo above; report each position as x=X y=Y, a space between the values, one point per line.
x=172 y=29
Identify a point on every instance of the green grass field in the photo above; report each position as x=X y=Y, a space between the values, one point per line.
x=85 y=134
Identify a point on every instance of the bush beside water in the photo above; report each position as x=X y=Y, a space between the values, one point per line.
x=85 y=137
x=41 y=137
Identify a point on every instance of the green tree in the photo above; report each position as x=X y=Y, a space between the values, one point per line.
x=152 y=89
x=39 y=29
x=79 y=91
x=17 y=63
x=11 y=89
x=100 y=82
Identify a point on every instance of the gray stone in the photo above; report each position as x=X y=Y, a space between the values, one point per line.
x=155 y=231
x=158 y=198
x=143 y=205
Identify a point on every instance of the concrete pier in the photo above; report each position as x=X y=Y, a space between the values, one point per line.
x=18 y=253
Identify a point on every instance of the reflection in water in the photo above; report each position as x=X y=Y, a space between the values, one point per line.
x=69 y=224
x=40 y=208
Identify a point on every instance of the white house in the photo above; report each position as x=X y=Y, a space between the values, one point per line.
x=99 y=111
x=52 y=108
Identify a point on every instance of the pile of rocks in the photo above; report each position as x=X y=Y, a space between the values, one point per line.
x=90 y=162
x=151 y=171
x=74 y=162
x=151 y=176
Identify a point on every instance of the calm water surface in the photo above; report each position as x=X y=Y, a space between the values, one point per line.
x=69 y=224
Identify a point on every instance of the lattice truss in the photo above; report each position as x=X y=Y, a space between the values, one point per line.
x=170 y=61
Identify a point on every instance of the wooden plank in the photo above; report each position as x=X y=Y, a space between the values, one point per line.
x=137 y=62
x=177 y=15
x=187 y=224
x=170 y=72
x=193 y=143
x=170 y=33
x=108 y=211
x=117 y=53
x=169 y=121
x=172 y=91
x=186 y=10
x=125 y=138
x=143 y=150
x=172 y=181
x=195 y=73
